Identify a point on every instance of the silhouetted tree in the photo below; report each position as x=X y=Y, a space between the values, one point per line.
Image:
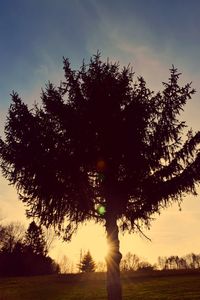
x=101 y=147
x=3 y=237
x=193 y=261
x=49 y=238
x=87 y=264
x=34 y=240
x=24 y=254
x=10 y=235
x=162 y=262
x=190 y=261
x=130 y=262
x=66 y=266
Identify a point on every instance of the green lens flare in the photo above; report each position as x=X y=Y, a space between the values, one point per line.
x=101 y=177
x=101 y=210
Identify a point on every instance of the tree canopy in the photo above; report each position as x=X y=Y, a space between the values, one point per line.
x=101 y=146
x=99 y=140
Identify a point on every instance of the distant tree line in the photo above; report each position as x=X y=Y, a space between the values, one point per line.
x=174 y=262
x=132 y=262
x=24 y=253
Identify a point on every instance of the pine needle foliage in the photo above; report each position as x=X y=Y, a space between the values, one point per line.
x=101 y=141
x=87 y=264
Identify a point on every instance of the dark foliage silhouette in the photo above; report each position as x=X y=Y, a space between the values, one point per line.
x=87 y=264
x=34 y=240
x=102 y=148
x=20 y=263
x=18 y=255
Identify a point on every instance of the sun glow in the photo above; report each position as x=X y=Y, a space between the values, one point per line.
x=91 y=237
x=95 y=242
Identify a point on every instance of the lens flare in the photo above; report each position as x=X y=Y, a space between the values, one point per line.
x=101 y=210
x=101 y=165
x=101 y=177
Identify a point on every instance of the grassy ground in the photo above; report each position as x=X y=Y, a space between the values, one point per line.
x=160 y=286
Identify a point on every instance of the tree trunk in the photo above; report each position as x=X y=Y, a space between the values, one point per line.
x=113 y=259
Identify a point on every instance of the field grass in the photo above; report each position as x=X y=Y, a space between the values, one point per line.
x=139 y=286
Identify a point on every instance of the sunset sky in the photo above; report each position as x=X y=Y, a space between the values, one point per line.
x=151 y=35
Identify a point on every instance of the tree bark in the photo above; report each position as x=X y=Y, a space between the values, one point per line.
x=113 y=259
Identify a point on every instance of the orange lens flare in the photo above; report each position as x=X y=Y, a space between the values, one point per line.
x=101 y=165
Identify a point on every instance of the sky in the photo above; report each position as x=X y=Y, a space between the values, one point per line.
x=151 y=35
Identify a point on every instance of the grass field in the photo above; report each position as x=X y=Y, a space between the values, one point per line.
x=156 y=285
